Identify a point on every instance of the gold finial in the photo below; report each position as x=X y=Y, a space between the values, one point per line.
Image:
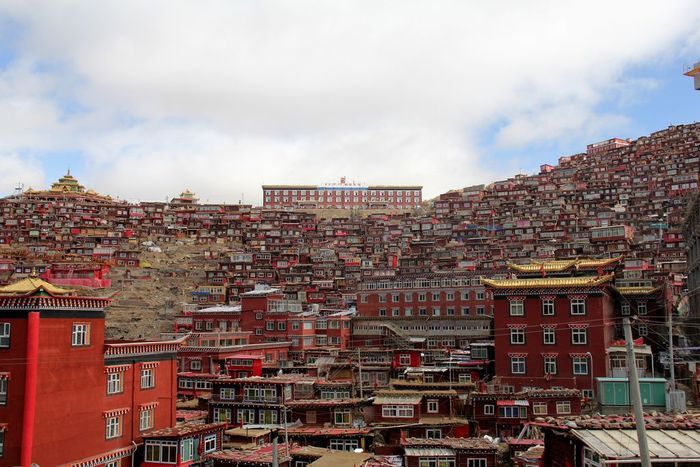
x=33 y=274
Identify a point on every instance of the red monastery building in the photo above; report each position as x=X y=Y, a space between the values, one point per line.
x=342 y=195
x=69 y=397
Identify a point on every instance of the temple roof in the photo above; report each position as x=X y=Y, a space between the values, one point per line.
x=32 y=285
x=637 y=290
x=563 y=265
x=548 y=282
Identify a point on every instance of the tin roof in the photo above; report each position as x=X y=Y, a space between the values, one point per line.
x=664 y=445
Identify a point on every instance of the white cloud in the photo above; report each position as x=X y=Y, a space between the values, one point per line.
x=15 y=170
x=227 y=95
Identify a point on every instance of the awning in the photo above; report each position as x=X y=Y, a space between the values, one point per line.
x=416 y=452
x=664 y=445
x=510 y=403
x=411 y=400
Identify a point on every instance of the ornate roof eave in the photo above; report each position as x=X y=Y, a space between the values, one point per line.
x=548 y=282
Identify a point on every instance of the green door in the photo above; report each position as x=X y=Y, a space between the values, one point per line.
x=645 y=391
x=621 y=393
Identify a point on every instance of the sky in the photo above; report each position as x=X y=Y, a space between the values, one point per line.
x=144 y=99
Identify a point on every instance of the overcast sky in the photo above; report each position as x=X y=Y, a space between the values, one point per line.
x=142 y=99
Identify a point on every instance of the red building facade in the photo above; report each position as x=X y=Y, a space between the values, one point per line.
x=551 y=332
x=71 y=397
x=342 y=196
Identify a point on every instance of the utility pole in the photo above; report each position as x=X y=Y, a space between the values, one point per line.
x=670 y=349
x=633 y=381
x=275 y=460
x=359 y=374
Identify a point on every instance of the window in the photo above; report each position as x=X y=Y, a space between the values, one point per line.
x=550 y=365
x=548 y=307
x=480 y=311
x=3 y=391
x=210 y=443
x=270 y=326
x=539 y=408
x=196 y=365
x=436 y=296
x=113 y=427
x=246 y=416
x=227 y=393
x=222 y=415
x=517 y=365
x=465 y=311
x=465 y=295
x=436 y=462
x=435 y=433
x=80 y=334
x=579 y=335
x=281 y=326
x=433 y=406
x=549 y=336
x=147 y=378
x=421 y=296
x=517 y=308
x=341 y=416
x=578 y=306
x=146 y=419
x=563 y=407
x=116 y=463
x=643 y=330
x=477 y=463
x=4 y=335
x=625 y=309
x=187 y=450
x=580 y=365
x=512 y=411
x=343 y=444
x=258 y=315
x=590 y=458
x=489 y=409
x=436 y=311
x=397 y=411
x=517 y=336
x=161 y=451
x=641 y=308
x=405 y=359
x=114 y=383
x=588 y=393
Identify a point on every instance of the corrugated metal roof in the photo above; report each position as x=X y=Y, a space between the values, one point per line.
x=664 y=445
x=413 y=400
x=415 y=452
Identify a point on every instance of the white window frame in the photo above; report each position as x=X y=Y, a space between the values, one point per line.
x=146 y=417
x=489 y=409
x=539 y=408
x=148 y=378
x=515 y=363
x=517 y=336
x=115 y=383
x=578 y=306
x=548 y=307
x=433 y=433
x=433 y=406
x=549 y=336
x=113 y=427
x=516 y=308
x=210 y=443
x=579 y=363
x=563 y=407
x=5 y=329
x=342 y=416
x=80 y=335
x=579 y=336
x=480 y=462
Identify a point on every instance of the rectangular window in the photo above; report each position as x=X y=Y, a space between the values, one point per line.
x=341 y=416
x=548 y=307
x=115 y=383
x=210 y=443
x=245 y=416
x=222 y=415
x=147 y=378
x=160 y=451
x=517 y=336
x=267 y=417
x=433 y=406
x=343 y=444
x=227 y=393
x=146 y=419
x=477 y=463
x=563 y=407
x=549 y=336
x=539 y=408
x=625 y=309
x=81 y=334
x=517 y=308
x=641 y=308
x=397 y=411
x=580 y=365
x=196 y=365
x=517 y=365
x=3 y=391
x=270 y=326
x=187 y=450
x=489 y=409
x=113 y=427
x=578 y=306
x=434 y=433
x=579 y=335
x=550 y=365
x=4 y=335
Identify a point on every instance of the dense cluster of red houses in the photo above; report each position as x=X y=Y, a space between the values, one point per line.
x=495 y=311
